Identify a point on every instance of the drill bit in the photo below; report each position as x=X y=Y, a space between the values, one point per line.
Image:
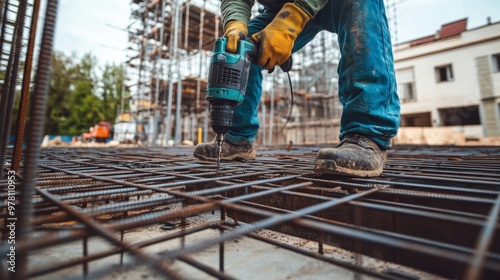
x=219 y=139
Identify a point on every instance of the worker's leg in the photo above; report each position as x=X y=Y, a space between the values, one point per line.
x=367 y=83
x=246 y=119
x=366 y=75
x=367 y=88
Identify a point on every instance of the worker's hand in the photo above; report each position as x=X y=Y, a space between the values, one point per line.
x=234 y=31
x=275 y=42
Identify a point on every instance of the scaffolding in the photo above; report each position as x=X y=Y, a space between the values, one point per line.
x=169 y=47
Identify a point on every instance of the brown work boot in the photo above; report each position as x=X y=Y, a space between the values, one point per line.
x=356 y=155
x=208 y=151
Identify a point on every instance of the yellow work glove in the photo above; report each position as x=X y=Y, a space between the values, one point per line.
x=234 y=31
x=275 y=42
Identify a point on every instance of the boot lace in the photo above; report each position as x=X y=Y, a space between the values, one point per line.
x=357 y=139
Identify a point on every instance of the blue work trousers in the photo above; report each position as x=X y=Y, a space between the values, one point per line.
x=367 y=83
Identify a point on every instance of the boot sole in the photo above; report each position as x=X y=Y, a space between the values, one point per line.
x=330 y=167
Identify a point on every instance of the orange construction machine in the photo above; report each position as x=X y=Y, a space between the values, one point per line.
x=99 y=133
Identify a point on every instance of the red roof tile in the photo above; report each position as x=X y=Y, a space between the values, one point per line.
x=453 y=28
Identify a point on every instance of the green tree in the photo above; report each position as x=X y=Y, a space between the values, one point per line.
x=86 y=109
x=112 y=89
x=59 y=99
x=79 y=97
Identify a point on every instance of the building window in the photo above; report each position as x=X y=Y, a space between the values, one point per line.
x=468 y=115
x=416 y=120
x=444 y=73
x=498 y=112
x=496 y=62
x=406 y=92
x=410 y=121
x=406 y=85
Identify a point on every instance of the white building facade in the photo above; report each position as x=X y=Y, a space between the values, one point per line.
x=451 y=79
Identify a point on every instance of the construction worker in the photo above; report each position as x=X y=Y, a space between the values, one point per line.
x=367 y=89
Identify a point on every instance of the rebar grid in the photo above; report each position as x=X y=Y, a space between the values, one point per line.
x=434 y=210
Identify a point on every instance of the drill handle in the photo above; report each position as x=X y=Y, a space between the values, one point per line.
x=287 y=66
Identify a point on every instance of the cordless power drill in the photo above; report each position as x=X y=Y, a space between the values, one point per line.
x=227 y=82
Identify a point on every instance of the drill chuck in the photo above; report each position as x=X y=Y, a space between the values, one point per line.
x=221 y=115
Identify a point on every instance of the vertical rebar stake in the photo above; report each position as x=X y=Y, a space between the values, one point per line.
x=221 y=245
x=35 y=132
x=395 y=222
x=25 y=90
x=9 y=88
x=122 y=235
x=85 y=254
x=320 y=237
x=183 y=225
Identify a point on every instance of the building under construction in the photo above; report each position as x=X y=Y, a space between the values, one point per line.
x=169 y=47
x=159 y=213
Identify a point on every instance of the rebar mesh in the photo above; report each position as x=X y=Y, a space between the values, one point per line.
x=102 y=212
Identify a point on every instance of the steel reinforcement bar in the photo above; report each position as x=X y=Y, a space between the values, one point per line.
x=435 y=213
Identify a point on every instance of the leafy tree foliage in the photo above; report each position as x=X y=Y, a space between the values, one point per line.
x=111 y=89
x=81 y=94
x=58 y=107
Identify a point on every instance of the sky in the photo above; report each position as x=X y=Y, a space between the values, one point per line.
x=95 y=26
x=419 y=18
x=98 y=26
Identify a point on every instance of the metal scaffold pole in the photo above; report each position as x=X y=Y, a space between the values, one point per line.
x=174 y=58
x=158 y=74
x=271 y=111
x=198 y=80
